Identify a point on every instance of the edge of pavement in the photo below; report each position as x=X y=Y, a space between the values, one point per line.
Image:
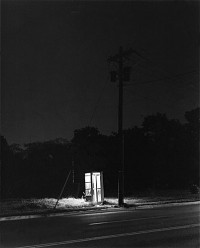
x=57 y=212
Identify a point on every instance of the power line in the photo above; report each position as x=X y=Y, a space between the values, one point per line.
x=165 y=78
x=147 y=59
x=151 y=99
x=155 y=65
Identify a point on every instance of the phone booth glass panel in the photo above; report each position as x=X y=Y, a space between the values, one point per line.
x=88 y=185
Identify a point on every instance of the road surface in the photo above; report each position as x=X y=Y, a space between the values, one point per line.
x=174 y=226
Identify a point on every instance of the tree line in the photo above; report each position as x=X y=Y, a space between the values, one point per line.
x=161 y=154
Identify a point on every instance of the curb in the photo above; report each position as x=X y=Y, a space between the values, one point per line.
x=169 y=204
x=52 y=211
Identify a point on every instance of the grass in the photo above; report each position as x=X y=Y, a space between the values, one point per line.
x=27 y=205
x=140 y=198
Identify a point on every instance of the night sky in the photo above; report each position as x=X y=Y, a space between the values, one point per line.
x=55 y=74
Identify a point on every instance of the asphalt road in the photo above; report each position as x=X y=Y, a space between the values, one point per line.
x=175 y=226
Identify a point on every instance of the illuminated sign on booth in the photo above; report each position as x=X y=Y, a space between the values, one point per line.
x=94 y=187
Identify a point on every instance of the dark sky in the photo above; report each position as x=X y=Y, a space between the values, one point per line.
x=55 y=75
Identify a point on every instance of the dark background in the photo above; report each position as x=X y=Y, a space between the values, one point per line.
x=58 y=104
x=54 y=64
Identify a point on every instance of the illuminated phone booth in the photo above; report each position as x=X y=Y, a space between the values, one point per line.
x=94 y=191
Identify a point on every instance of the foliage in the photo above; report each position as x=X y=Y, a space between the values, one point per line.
x=161 y=154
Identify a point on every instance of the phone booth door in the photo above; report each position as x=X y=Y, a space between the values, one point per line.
x=94 y=187
x=97 y=187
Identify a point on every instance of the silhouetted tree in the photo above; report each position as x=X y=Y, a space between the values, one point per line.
x=162 y=153
x=7 y=170
x=192 y=145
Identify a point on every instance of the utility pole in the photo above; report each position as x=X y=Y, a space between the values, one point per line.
x=120 y=131
x=73 y=170
x=123 y=74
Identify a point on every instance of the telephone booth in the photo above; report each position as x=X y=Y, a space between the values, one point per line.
x=94 y=191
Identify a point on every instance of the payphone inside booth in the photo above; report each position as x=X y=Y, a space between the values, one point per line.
x=94 y=191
